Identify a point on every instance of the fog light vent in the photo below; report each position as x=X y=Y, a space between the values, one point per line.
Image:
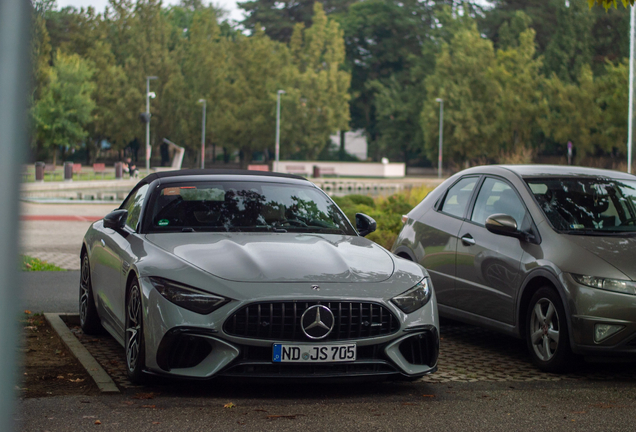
x=603 y=331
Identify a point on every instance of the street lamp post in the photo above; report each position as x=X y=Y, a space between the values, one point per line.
x=280 y=92
x=441 y=132
x=203 y=135
x=148 y=78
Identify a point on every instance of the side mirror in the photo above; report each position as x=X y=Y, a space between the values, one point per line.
x=365 y=224
x=116 y=219
x=503 y=224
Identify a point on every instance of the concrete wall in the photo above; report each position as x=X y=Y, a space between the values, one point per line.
x=344 y=169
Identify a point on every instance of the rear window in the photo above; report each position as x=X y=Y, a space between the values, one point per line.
x=245 y=206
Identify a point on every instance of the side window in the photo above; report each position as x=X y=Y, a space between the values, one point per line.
x=458 y=196
x=496 y=196
x=134 y=205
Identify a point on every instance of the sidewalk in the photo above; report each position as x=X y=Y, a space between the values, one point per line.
x=54 y=232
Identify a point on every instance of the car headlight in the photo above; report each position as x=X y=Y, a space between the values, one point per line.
x=415 y=298
x=616 y=285
x=188 y=297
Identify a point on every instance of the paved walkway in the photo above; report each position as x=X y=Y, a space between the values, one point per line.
x=54 y=232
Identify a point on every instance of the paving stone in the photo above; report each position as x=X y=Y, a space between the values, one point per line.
x=467 y=354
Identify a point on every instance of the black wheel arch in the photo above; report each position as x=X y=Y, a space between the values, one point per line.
x=405 y=252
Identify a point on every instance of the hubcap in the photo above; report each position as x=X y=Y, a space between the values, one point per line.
x=544 y=329
x=84 y=287
x=133 y=329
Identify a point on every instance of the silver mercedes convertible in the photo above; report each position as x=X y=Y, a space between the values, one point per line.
x=205 y=273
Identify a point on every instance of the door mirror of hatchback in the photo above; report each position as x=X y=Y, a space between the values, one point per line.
x=365 y=224
x=503 y=224
x=116 y=219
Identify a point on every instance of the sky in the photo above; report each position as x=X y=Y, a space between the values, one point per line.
x=235 y=13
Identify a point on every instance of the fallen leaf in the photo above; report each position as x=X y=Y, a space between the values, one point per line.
x=60 y=377
x=428 y=395
x=229 y=405
x=28 y=312
x=98 y=422
x=129 y=402
x=149 y=406
x=156 y=422
x=30 y=327
x=78 y=380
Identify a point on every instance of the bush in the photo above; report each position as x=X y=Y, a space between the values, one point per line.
x=387 y=212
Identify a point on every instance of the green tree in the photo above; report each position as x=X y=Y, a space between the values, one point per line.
x=463 y=78
x=575 y=114
x=279 y=18
x=519 y=94
x=317 y=104
x=613 y=91
x=65 y=107
x=257 y=68
x=609 y=3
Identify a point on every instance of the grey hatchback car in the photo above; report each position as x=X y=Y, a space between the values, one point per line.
x=544 y=253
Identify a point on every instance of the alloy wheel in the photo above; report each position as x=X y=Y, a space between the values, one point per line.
x=84 y=290
x=133 y=330
x=544 y=329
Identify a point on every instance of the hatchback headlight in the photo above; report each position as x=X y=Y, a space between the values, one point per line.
x=188 y=297
x=415 y=298
x=616 y=285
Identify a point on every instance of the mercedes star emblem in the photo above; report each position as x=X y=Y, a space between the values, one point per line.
x=315 y=287
x=317 y=322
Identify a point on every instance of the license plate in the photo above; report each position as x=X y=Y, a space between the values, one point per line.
x=331 y=353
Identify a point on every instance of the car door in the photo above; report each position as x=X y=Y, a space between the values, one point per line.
x=115 y=261
x=437 y=233
x=489 y=265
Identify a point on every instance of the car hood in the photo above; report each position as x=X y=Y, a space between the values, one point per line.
x=280 y=257
x=617 y=251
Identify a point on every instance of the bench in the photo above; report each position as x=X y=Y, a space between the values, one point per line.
x=49 y=168
x=99 y=168
x=327 y=171
x=77 y=169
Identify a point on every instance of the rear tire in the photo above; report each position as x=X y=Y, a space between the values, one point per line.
x=89 y=319
x=547 y=334
x=135 y=345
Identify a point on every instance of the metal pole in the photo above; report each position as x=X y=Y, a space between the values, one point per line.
x=15 y=36
x=148 y=125
x=441 y=134
x=148 y=148
x=203 y=135
x=630 y=119
x=280 y=92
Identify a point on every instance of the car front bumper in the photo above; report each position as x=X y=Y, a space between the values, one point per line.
x=590 y=307
x=185 y=344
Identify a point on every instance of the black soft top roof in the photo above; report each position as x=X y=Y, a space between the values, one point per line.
x=210 y=172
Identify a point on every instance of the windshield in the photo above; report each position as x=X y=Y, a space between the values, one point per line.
x=587 y=206
x=245 y=207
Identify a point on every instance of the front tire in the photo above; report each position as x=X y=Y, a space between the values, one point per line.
x=547 y=334
x=89 y=319
x=135 y=346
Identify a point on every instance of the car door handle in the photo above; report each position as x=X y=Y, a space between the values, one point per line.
x=468 y=240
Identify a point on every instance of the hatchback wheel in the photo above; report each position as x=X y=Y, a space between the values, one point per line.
x=89 y=320
x=135 y=347
x=547 y=331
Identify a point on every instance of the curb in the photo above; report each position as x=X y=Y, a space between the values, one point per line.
x=99 y=375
